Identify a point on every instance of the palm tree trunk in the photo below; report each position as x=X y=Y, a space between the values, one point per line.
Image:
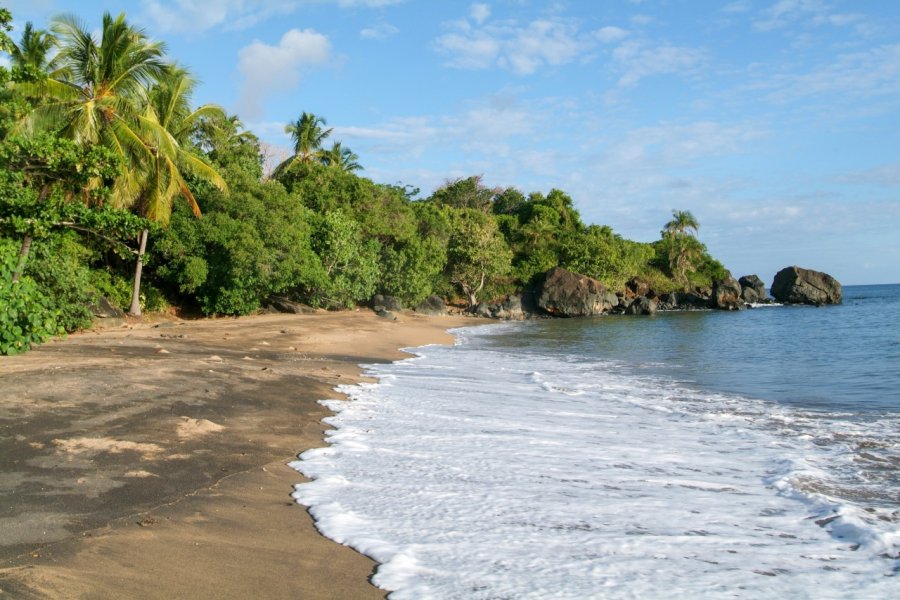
x=135 y=310
x=23 y=256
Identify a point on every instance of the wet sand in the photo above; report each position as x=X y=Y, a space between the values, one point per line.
x=149 y=460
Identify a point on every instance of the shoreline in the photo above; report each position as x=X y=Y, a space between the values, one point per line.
x=151 y=460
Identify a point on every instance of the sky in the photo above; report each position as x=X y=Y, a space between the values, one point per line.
x=775 y=122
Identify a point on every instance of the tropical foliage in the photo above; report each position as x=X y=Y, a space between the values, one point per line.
x=106 y=167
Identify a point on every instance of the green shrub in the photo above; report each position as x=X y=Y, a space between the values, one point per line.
x=26 y=314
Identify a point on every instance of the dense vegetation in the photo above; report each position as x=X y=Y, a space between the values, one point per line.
x=106 y=168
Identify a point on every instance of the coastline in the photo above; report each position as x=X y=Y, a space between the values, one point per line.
x=151 y=460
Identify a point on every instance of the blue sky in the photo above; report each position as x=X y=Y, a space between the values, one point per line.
x=776 y=122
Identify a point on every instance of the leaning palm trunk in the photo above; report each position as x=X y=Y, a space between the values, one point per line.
x=135 y=310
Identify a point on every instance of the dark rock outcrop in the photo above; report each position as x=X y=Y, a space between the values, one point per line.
x=794 y=285
x=684 y=301
x=283 y=305
x=753 y=290
x=567 y=294
x=726 y=295
x=483 y=310
x=103 y=309
x=390 y=303
x=432 y=305
x=636 y=287
x=641 y=305
x=511 y=309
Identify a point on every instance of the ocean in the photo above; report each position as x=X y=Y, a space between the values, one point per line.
x=693 y=454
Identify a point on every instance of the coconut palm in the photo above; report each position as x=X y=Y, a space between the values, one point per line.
x=166 y=124
x=682 y=223
x=33 y=52
x=308 y=134
x=682 y=247
x=96 y=91
x=341 y=158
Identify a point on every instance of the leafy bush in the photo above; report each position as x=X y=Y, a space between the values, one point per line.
x=26 y=315
x=350 y=262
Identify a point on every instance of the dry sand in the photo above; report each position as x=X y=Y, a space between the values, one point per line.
x=150 y=460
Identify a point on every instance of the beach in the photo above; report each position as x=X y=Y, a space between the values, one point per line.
x=149 y=459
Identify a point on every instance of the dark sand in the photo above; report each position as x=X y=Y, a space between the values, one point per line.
x=150 y=461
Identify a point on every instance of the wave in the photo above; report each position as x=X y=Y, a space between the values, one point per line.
x=467 y=474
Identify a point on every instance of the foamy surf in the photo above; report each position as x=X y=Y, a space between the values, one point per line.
x=473 y=472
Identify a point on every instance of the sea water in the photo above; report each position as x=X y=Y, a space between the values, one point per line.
x=715 y=455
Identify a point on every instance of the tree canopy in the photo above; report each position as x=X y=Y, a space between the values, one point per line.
x=100 y=141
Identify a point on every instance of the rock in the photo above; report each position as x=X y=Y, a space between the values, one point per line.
x=637 y=286
x=511 y=309
x=753 y=290
x=386 y=314
x=795 y=285
x=483 y=310
x=641 y=305
x=432 y=305
x=103 y=309
x=726 y=295
x=391 y=303
x=684 y=301
x=567 y=294
x=284 y=305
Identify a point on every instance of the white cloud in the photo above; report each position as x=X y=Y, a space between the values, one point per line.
x=522 y=49
x=267 y=69
x=638 y=60
x=739 y=6
x=197 y=16
x=480 y=13
x=610 y=34
x=874 y=72
x=379 y=31
x=885 y=176
x=817 y=12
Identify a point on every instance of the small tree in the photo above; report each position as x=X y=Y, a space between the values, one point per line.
x=476 y=253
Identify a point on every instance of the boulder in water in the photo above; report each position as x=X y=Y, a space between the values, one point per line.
x=753 y=290
x=726 y=294
x=642 y=305
x=795 y=285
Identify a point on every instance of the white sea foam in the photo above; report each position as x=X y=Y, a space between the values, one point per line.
x=474 y=473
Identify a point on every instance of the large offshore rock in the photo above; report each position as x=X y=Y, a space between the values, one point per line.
x=795 y=285
x=726 y=294
x=567 y=294
x=753 y=290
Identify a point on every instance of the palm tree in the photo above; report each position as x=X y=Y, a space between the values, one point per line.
x=683 y=247
x=682 y=222
x=166 y=126
x=308 y=135
x=120 y=93
x=32 y=53
x=341 y=158
x=98 y=89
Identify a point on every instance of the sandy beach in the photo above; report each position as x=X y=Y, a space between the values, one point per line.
x=149 y=460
